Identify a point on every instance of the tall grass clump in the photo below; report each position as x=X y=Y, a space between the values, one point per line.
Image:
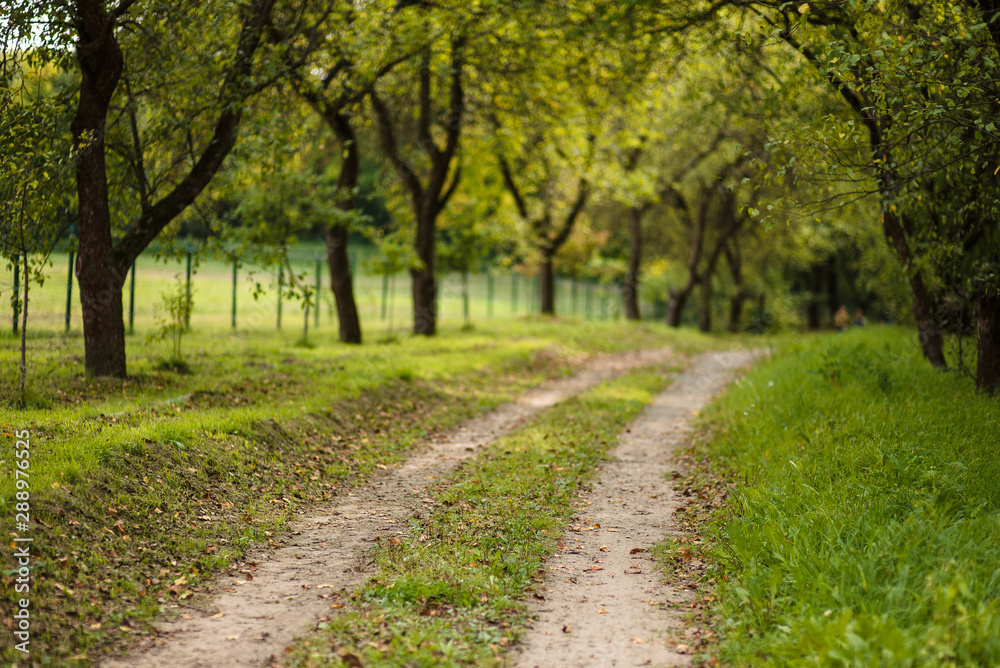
x=865 y=525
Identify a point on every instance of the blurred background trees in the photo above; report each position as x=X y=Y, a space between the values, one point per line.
x=743 y=166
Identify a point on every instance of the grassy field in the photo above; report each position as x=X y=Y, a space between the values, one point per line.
x=256 y=296
x=863 y=525
x=123 y=471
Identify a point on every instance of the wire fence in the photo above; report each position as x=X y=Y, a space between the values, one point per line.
x=246 y=298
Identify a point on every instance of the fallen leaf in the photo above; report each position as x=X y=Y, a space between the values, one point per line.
x=218 y=615
x=637 y=641
x=604 y=548
x=351 y=661
x=567 y=629
x=602 y=611
x=235 y=637
x=682 y=648
x=337 y=606
x=636 y=550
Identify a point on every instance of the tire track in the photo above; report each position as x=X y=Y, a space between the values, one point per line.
x=250 y=621
x=603 y=592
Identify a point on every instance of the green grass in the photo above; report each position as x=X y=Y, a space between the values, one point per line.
x=122 y=472
x=865 y=529
x=257 y=301
x=452 y=592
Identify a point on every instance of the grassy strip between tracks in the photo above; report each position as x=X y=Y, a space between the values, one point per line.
x=451 y=592
x=134 y=504
x=863 y=525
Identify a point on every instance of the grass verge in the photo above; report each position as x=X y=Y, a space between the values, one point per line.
x=864 y=528
x=451 y=592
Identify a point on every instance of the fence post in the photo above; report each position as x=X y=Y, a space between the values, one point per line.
x=587 y=297
x=187 y=288
x=465 y=295
x=281 y=288
x=513 y=292
x=69 y=291
x=385 y=294
x=232 y=315
x=573 y=294
x=131 y=301
x=17 y=290
x=319 y=269
x=489 y=294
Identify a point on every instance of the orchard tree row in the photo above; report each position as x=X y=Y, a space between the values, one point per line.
x=766 y=149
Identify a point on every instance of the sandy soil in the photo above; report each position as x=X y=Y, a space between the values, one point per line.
x=283 y=592
x=604 y=597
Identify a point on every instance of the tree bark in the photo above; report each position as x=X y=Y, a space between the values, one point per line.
x=630 y=290
x=341 y=280
x=675 y=305
x=423 y=278
x=735 y=262
x=705 y=305
x=101 y=64
x=988 y=342
x=342 y=283
x=547 y=283
x=924 y=310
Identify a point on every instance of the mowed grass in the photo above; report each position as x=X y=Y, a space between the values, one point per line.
x=384 y=306
x=452 y=591
x=142 y=489
x=865 y=529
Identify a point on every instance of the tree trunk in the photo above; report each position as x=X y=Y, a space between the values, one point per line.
x=547 y=283
x=988 y=343
x=928 y=329
x=423 y=278
x=813 y=311
x=100 y=63
x=630 y=291
x=341 y=280
x=675 y=305
x=705 y=306
x=342 y=283
x=736 y=310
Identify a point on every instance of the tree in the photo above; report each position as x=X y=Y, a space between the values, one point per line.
x=159 y=108
x=33 y=173
x=919 y=83
x=350 y=63
x=427 y=167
